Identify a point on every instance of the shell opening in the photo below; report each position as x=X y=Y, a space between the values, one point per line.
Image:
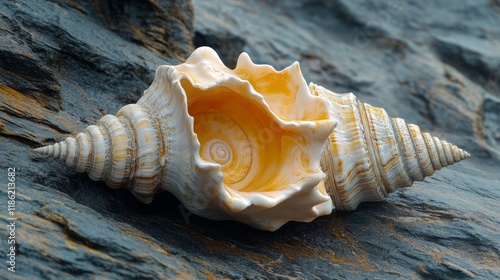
x=239 y=136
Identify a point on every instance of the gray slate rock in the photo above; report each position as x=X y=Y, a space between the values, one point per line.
x=64 y=64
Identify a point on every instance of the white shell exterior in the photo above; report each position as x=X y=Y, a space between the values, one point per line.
x=252 y=144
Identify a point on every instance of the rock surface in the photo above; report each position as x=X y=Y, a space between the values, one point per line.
x=64 y=64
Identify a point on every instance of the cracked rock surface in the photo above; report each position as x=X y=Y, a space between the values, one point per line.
x=65 y=64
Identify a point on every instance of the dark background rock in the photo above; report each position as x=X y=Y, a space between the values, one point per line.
x=64 y=64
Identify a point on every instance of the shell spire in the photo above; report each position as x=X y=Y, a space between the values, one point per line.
x=122 y=150
x=369 y=154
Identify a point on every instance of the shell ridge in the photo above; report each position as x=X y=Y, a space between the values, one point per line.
x=119 y=151
x=132 y=178
x=372 y=150
x=163 y=144
x=108 y=164
x=429 y=143
x=400 y=150
x=326 y=165
x=447 y=152
x=72 y=149
x=131 y=150
x=409 y=150
x=422 y=150
x=394 y=168
x=147 y=157
x=83 y=152
x=91 y=153
x=417 y=155
x=97 y=165
x=440 y=151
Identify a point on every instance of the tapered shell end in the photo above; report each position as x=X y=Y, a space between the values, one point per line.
x=43 y=151
x=73 y=151
x=58 y=150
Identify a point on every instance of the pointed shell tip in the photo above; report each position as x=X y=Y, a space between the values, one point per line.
x=41 y=151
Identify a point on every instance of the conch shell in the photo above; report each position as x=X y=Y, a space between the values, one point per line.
x=253 y=144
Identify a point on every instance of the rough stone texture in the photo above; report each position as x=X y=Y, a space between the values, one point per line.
x=64 y=64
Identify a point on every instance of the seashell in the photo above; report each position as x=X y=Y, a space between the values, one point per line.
x=253 y=144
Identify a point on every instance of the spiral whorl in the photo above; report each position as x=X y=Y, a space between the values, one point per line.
x=423 y=152
x=122 y=150
x=369 y=155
